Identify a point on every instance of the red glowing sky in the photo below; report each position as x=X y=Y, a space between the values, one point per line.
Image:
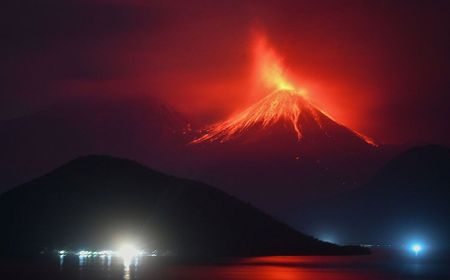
x=379 y=67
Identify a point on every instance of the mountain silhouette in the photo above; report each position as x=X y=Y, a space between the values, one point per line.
x=289 y=149
x=261 y=165
x=92 y=201
x=407 y=197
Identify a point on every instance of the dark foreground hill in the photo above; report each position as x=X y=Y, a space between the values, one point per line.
x=407 y=199
x=94 y=201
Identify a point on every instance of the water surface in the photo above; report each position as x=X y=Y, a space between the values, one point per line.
x=380 y=265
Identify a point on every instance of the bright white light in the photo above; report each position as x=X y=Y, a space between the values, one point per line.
x=62 y=252
x=128 y=251
x=416 y=248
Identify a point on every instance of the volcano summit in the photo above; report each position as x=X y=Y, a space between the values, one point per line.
x=285 y=107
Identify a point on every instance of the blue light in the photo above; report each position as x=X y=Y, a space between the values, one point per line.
x=416 y=248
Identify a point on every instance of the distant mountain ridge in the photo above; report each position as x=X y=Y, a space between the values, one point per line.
x=262 y=165
x=407 y=197
x=144 y=129
x=92 y=201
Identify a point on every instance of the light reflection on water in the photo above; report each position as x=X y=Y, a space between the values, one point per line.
x=262 y=268
x=129 y=262
x=61 y=261
x=126 y=272
x=103 y=265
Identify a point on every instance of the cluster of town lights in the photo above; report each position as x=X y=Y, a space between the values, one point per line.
x=126 y=251
x=84 y=253
x=129 y=251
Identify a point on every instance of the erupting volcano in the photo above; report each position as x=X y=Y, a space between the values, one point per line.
x=283 y=139
x=285 y=105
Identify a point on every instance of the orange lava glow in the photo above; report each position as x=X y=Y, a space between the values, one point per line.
x=280 y=105
x=285 y=101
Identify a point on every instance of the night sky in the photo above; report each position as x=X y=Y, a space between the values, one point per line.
x=380 y=67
